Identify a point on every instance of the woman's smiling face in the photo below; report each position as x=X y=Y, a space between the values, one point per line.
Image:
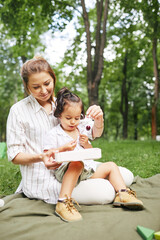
x=41 y=86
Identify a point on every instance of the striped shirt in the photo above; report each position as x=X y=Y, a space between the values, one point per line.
x=27 y=125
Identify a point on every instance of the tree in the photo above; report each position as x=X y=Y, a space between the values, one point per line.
x=150 y=10
x=22 y=22
x=96 y=40
x=10 y=85
x=131 y=50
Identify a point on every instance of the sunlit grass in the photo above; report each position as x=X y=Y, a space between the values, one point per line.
x=9 y=177
x=141 y=157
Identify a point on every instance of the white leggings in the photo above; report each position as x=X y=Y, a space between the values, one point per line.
x=99 y=191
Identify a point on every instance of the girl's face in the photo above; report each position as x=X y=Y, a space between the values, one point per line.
x=70 y=117
x=41 y=86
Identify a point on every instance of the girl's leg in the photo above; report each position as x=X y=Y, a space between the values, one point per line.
x=110 y=171
x=70 y=178
x=124 y=197
x=65 y=208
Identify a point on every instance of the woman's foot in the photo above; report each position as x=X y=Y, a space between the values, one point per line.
x=127 y=198
x=66 y=210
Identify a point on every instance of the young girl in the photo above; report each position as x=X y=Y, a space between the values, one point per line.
x=70 y=134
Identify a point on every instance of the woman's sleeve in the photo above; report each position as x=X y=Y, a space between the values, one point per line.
x=16 y=140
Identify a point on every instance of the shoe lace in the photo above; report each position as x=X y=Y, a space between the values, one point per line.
x=131 y=192
x=69 y=204
x=128 y=190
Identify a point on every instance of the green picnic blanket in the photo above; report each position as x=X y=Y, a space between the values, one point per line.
x=25 y=219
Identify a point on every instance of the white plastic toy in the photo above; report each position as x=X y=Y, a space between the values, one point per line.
x=78 y=155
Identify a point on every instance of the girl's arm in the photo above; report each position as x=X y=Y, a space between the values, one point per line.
x=68 y=146
x=83 y=139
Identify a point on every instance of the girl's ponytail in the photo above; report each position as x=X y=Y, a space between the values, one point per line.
x=64 y=96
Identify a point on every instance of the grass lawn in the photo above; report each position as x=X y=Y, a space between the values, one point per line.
x=141 y=157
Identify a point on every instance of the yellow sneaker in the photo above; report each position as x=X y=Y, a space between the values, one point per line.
x=127 y=198
x=66 y=210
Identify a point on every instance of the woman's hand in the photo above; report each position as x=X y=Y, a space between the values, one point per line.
x=48 y=159
x=96 y=113
x=48 y=156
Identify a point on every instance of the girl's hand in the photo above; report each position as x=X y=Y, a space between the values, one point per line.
x=48 y=159
x=68 y=146
x=83 y=139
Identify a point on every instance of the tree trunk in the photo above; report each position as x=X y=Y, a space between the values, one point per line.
x=24 y=59
x=135 y=120
x=117 y=130
x=156 y=89
x=124 y=100
x=95 y=63
x=155 y=69
x=154 y=125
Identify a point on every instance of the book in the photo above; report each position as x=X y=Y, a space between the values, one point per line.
x=78 y=155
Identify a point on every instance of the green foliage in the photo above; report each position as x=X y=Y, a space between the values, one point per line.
x=21 y=24
x=126 y=33
x=129 y=29
x=22 y=17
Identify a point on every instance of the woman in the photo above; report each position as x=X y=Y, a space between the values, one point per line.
x=28 y=122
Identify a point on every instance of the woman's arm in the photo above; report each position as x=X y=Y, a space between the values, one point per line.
x=47 y=157
x=27 y=158
x=17 y=144
x=95 y=112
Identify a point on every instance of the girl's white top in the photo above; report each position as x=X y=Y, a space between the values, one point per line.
x=57 y=137
x=27 y=125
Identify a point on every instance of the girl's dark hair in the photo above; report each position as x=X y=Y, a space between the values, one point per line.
x=36 y=65
x=64 y=97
